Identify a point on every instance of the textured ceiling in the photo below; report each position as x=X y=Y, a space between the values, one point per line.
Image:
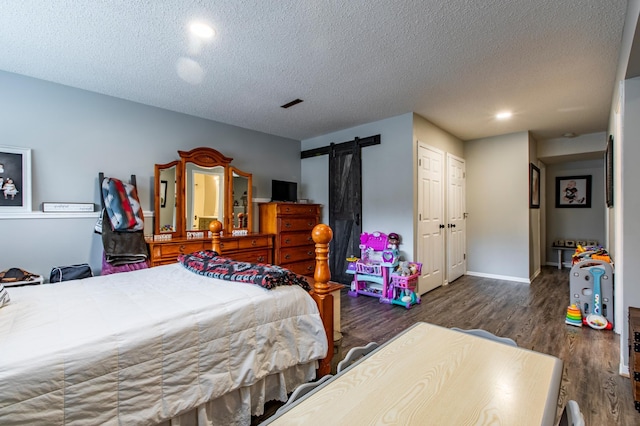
x=455 y=62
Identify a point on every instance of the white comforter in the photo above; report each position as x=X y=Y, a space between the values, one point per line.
x=142 y=346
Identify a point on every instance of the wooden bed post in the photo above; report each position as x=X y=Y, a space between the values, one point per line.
x=215 y=227
x=322 y=235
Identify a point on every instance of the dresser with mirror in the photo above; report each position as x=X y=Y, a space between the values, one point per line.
x=191 y=192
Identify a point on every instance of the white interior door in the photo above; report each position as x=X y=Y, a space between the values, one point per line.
x=430 y=217
x=456 y=231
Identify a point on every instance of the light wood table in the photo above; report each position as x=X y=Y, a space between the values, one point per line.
x=430 y=375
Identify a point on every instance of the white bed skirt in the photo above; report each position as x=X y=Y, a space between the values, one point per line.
x=237 y=407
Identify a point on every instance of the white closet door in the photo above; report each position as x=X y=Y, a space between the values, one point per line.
x=431 y=230
x=456 y=230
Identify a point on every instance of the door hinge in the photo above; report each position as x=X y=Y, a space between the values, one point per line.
x=464 y=175
x=419 y=161
x=419 y=216
x=464 y=256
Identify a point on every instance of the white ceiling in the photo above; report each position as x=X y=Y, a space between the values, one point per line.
x=455 y=62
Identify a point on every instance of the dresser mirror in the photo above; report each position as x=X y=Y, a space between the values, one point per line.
x=241 y=196
x=205 y=195
x=201 y=187
x=167 y=221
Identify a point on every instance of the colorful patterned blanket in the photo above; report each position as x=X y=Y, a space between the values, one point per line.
x=208 y=263
x=122 y=205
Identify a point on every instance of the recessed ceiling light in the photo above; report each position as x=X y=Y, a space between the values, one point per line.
x=503 y=115
x=202 y=30
x=569 y=135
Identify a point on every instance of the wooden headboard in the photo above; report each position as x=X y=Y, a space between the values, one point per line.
x=321 y=288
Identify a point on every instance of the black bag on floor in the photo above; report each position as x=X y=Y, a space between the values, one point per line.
x=67 y=273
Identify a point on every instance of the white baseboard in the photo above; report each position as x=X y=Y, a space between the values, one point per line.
x=624 y=370
x=498 y=277
x=535 y=274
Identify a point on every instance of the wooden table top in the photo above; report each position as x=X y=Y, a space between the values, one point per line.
x=430 y=375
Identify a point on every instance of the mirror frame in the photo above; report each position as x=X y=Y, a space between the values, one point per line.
x=229 y=214
x=157 y=206
x=203 y=157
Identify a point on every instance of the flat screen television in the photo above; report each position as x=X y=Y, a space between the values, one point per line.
x=284 y=191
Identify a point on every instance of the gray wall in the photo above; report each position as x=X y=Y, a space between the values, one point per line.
x=74 y=134
x=572 y=223
x=498 y=206
x=427 y=132
x=387 y=176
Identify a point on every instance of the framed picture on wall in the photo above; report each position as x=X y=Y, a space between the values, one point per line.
x=608 y=164
x=15 y=179
x=573 y=191
x=534 y=186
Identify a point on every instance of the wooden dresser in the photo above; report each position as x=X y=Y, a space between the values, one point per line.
x=255 y=248
x=634 y=354
x=292 y=224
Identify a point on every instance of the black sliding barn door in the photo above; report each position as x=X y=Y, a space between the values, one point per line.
x=345 y=207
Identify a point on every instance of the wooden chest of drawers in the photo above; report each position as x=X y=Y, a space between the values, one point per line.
x=292 y=224
x=254 y=248
x=634 y=354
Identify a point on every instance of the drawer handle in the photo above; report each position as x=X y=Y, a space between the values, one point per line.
x=260 y=258
x=287 y=256
x=288 y=241
x=287 y=209
x=182 y=249
x=310 y=253
x=221 y=245
x=310 y=268
x=254 y=243
x=310 y=223
x=287 y=224
x=309 y=238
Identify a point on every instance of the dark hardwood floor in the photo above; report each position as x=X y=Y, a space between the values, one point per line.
x=532 y=315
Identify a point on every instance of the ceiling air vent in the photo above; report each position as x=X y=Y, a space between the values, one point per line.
x=292 y=103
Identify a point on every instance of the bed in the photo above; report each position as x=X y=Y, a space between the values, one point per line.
x=160 y=346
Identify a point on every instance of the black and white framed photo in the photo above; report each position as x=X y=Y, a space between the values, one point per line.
x=534 y=186
x=573 y=191
x=15 y=179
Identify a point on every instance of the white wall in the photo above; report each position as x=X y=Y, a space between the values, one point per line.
x=578 y=223
x=592 y=143
x=387 y=176
x=629 y=204
x=535 y=219
x=498 y=206
x=74 y=134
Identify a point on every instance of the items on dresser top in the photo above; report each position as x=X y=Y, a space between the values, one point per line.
x=291 y=223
